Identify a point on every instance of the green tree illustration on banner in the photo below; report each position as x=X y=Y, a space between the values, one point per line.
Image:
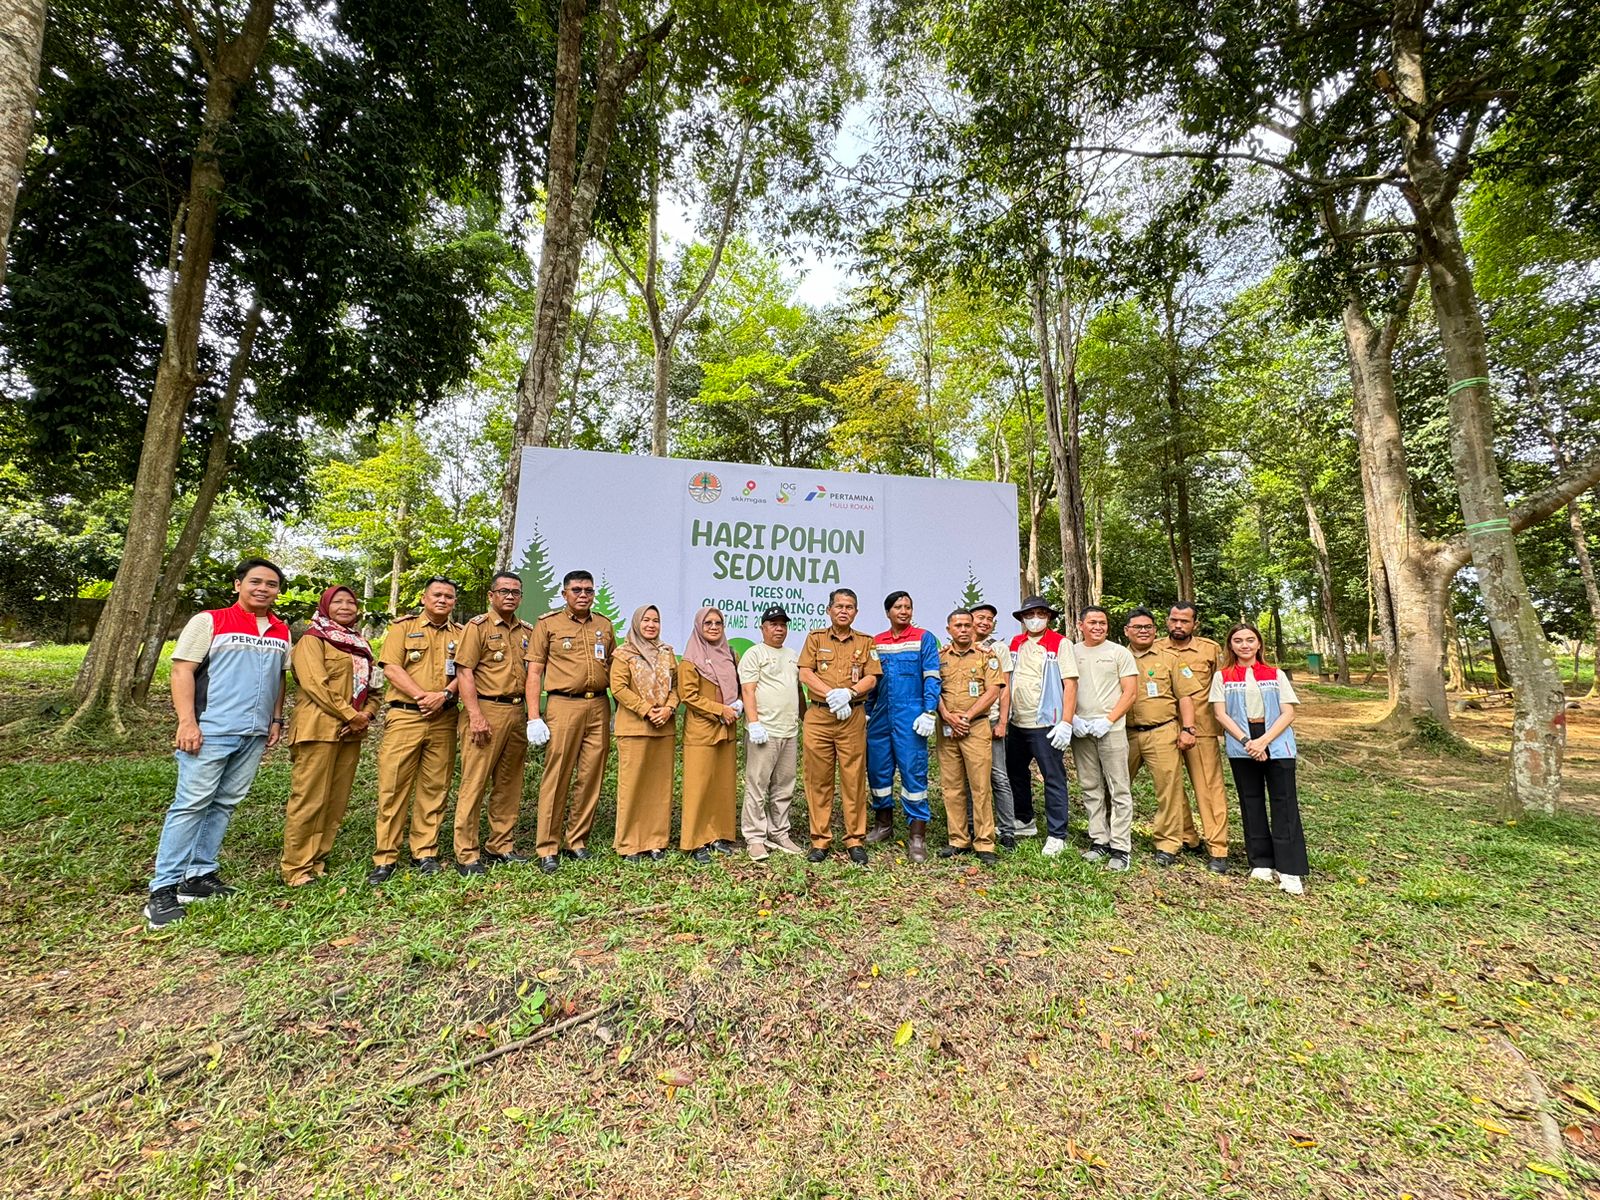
x=540 y=591
x=973 y=594
x=606 y=604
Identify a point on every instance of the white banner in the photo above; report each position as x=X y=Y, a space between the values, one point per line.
x=680 y=534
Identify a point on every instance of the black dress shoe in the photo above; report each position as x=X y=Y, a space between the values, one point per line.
x=817 y=855
x=1010 y=843
x=471 y=868
x=1217 y=866
x=578 y=853
x=641 y=856
x=425 y=866
x=953 y=851
x=656 y=855
x=858 y=855
x=548 y=864
x=380 y=875
x=505 y=860
x=988 y=857
x=1163 y=858
x=702 y=856
x=722 y=846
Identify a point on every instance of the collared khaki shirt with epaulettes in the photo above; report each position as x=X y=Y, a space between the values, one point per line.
x=566 y=648
x=423 y=650
x=1157 y=669
x=962 y=670
x=495 y=650
x=1197 y=663
x=839 y=661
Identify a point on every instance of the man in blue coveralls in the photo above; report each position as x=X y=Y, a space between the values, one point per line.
x=900 y=719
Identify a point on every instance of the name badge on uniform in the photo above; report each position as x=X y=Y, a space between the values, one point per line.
x=566 y=643
x=450 y=661
x=974 y=689
x=600 y=651
x=1187 y=673
x=947 y=732
x=1152 y=688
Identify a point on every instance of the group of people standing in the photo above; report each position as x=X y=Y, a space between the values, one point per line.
x=860 y=709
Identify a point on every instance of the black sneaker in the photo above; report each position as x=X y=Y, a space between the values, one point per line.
x=204 y=887
x=702 y=855
x=1217 y=866
x=818 y=854
x=425 y=866
x=953 y=851
x=858 y=855
x=505 y=860
x=471 y=868
x=1009 y=842
x=656 y=855
x=988 y=857
x=1118 y=861
x=163 y=908
x=641 y=856
x=379 y=876
x=722 y=846
x=1164 y=859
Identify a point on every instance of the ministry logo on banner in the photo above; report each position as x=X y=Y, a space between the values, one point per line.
x=705 y=487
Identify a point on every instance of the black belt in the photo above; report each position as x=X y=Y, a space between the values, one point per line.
x=1148 y=728
x=502 y=699
x=579 y=695
x=449 y=702
x=403 y=704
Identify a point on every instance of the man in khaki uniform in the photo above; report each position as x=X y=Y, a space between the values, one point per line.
x=492 y=662
x=971 y=682
x=838 y=667
x=1160 y=726
x=419 y=735
x=1199 y=658
x=569 y=654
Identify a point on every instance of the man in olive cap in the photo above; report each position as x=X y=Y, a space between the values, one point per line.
x=1044 y=695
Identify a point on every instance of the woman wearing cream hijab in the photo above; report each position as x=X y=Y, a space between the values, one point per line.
x=642 y=680
x=708 y=681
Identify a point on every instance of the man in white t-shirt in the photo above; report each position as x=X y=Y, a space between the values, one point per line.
x=1107 y=686
x=769 y=685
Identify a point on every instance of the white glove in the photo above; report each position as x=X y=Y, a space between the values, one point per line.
x=923 y=725
x=839 y=698
x=538 y=732
x=1060 y=735
x=1099 y=727
x=738 y=707
x=757 y=732
x=1080 y=727
x=843 y=712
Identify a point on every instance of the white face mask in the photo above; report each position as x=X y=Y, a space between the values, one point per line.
x=1036 y=624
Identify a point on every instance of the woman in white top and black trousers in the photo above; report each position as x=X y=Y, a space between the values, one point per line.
x=1255 y=702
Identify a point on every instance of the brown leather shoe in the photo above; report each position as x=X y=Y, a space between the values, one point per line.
x=882 y=826
x=917 y=842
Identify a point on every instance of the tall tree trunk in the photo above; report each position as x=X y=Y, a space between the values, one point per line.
x=571 y=190
x=21 y=45
x=1330 y=613
x=1097 y=573
x=1455 y=676
x=107 y=670
x=1183 y=540
x=1062 y=431
x=211 y=479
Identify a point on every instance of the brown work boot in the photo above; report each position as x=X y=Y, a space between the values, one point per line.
x=882 y=825
x=917 y=842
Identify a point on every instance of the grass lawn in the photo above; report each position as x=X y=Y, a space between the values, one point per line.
x=782 y=1030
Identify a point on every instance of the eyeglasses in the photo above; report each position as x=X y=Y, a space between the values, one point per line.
x=1141 y=628
x=506 y=592
x=578 y=591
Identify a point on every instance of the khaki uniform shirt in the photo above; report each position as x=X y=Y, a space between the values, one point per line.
x=575 y=655
x=496 y=651
x=1156 y=701
x=424 y=651
x=1197 y=663
x=965 y=675
x=838 y=661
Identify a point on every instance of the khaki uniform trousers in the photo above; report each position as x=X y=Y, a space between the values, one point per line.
x=644 y=793
x=500 y=761
x=319 y=791
x=769 y=775
x=580 y=736
x=1158 y=749
x=1107 y=794
x=417 y=752
x=831 y=743
x=963 y=763
x=1203 y=761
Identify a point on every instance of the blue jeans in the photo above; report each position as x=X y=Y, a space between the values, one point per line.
x=210 y=786
x=1024 y=746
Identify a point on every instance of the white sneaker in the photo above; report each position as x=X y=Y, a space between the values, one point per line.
x=1052 y=847
x=1031 y=829
x=1263 y=875
x=1292 y=885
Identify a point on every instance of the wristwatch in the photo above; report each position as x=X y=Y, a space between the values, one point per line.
x=1187 y=728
